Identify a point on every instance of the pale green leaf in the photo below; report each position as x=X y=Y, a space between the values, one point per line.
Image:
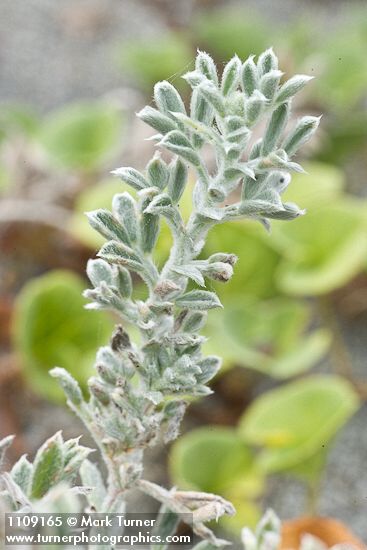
x=292 y=423
x=51 y=327
x=47 y=466
x=81 y=136
x=323 y=250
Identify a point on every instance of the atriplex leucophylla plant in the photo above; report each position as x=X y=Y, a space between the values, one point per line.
x=141 y=388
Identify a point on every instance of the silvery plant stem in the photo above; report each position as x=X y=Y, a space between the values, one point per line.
x=154 y=365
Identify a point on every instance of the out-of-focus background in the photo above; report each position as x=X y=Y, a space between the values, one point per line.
x=277 y=432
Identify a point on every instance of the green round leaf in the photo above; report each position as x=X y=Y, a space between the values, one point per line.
x=215 y=460
x=292 y=423
x=210 y=459
x=81 y=136
x=323 y=250
x=269 y=336
x=254 y=273
x=321 y=184
x=52 y=328
x=301 y=354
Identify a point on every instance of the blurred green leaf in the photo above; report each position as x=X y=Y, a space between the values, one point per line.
x=268 y=336
x=311 y=469
x=52 y=328
x=301 y=354
x=209 y=459
x=343 y=82
x=321 y=184
x=283 y=319
x=163 y=58
x=292 y=423
x=81 y=136
x=215 y=460
x=254 y=273
x=17 y=119
x=323 y=250
x=345 y=136
x=226 y=32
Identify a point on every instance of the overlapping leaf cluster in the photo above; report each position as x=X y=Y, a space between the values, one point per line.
x=56 y=462
x=141 y=386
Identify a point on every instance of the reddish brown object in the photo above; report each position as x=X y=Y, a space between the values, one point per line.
x=6 y=306
x=328 y=530
x=11 y=389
